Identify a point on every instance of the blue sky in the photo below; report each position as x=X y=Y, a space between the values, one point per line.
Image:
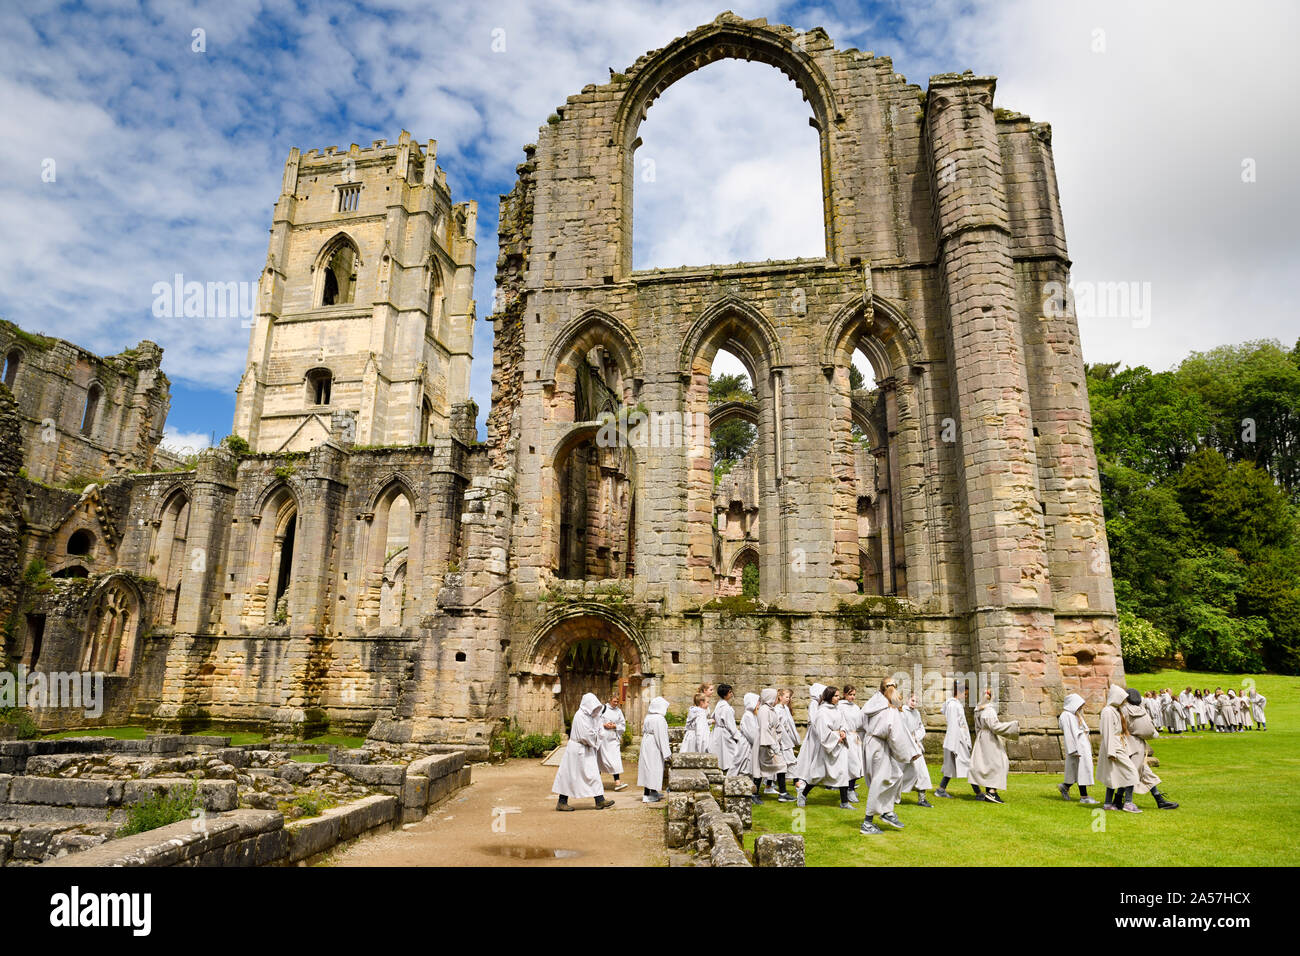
x=168 y=159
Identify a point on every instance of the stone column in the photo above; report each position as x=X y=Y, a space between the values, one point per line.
x=1010 y=613
x=212 y=499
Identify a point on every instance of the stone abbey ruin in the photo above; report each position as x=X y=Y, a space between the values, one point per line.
x=360 y=560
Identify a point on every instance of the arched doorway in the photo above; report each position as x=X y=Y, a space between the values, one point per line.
x=581 y=648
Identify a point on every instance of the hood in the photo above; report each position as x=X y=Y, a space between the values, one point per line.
x=1073 y=703
x=659 y=706
x=1116 y=696
x=590 y=704
x=751 y=701
x=768 y=696
x=1134 y=697
x=816 y=690
x=876 y=704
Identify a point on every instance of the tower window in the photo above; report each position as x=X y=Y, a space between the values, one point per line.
x=92 y=409
x=12 y=360
x=349 y=198
x=79 y=543
x=339 y=285
x=319 y=381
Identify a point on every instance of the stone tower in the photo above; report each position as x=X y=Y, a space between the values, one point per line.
x=365 y=311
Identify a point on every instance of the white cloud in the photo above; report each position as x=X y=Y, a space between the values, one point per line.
x=184 y=443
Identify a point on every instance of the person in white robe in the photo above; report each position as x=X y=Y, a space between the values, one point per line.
x=809 y=760
x=655 y=750
x=988 y=759
x=1188 y=700
x=579 y=773
x=697 y=737
x=1115 y=768
x=852 y=715
x=748 y=737
x=727 y=741
x=610 y=753
x=789 y=732
x=1078 y=750
x=828 y=733
x=1257 y=702
x=1217 y=713
x=1231 y=714
x=916 y=775
x=956 y=740
x=1152 y=703
x=1141 y=731
x=1247 y=714
x=769 y=748
x=887 y=750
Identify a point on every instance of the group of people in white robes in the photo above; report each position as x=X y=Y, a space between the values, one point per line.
x=1205 y=710
x=1127 y=729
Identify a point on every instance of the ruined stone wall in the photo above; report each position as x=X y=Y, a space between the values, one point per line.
x=53 y=381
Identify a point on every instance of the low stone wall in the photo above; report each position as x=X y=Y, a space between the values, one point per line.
x=708 y=814
x=66 y=797
x=263 y=838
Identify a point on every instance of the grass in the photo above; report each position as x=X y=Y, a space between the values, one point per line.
x=118 y=733
x=237 y=737
x=1237 y=794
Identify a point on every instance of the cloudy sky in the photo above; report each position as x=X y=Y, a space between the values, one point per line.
x=129 y=155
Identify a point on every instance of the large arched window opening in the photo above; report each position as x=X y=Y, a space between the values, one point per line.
x=736 y=508
x=271 y=565
x=12 y=361
x=336 y=282
x=168 y=553
x=109 y=645
x=728 y=169
x=387 y=557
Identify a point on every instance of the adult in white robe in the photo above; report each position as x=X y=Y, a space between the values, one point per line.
x=887 y=750
x=610 y=752
x=579 y=773
x=1115 y=768
x=1187 y=700
x=1217 y=710
x=1078 y=750
x=655 y=750
x=1257 y=702
x=1231 y=711
x=988 y=760
x=916 y=775
x=956 y=740
x=1141 y=731
x=749 y=736
x=851 y=714
x=828 y=733
x=727 y=741
x=769 y=748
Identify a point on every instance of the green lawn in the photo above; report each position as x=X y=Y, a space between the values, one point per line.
x=118 y=733
x=1239 y=796
x=238 y=738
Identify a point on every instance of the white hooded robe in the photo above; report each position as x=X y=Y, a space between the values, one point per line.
x=579 y=773
x=610 y=752
x=956 y=739
x=655 y=747
x=988 y=759
x=727 y=742
x=1078 y=746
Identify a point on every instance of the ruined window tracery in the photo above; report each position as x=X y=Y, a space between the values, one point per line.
x=111 y=630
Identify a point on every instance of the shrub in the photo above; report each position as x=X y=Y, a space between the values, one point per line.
x=21 y=718
x=161 y=809
x=310 y=804
x=1142 y=642
x=514 y=743
x=674 y=719
x=236 y=444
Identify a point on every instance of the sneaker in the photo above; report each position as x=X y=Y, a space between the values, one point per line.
x=868 y=828
x=1087 y=800
x=1064 y=789
x=921 y=801
x=996 y=798
x=647 y=799
x=563 y=807
x=1131 y=808
x=619 y=786
x=853 y=796
x=892 y=820
x=602 y=804
x=756 y=799
x=845 y=805
x=944 y=793
x=784 y=798
x=801 y=800
x=770 y=788
x=985 y=797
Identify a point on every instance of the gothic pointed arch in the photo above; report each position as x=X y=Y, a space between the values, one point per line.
x=741 y=328
x=595 y=328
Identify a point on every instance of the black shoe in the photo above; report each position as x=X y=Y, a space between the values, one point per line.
x=602 y=803
x=985 y=797
x=1163 y=804
x=996 y=798
x=945 y=794
x=922 y=802
x=892 y=820
x=785 y=798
